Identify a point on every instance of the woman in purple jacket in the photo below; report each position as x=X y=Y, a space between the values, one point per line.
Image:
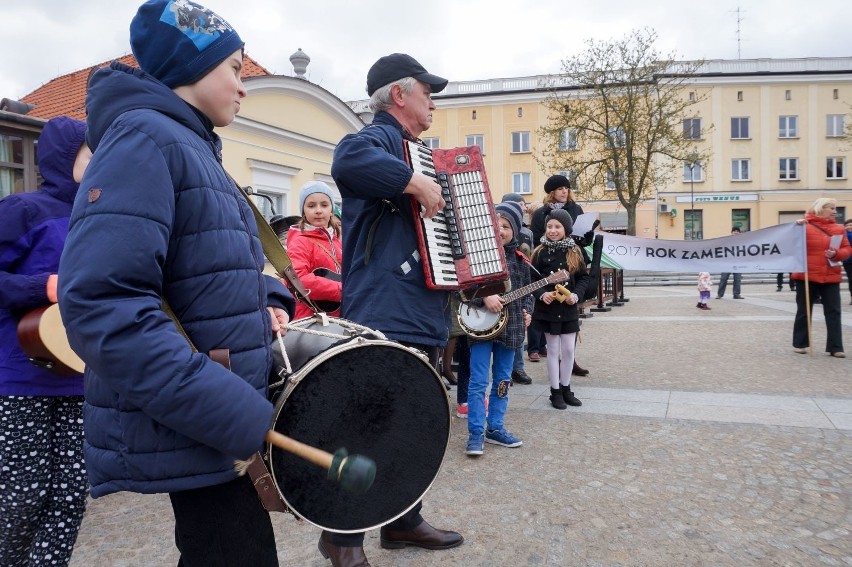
x=43 y=484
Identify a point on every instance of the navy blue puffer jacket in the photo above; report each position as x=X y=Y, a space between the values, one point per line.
x=156 y=216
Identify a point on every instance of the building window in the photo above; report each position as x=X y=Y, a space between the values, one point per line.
x=520 y=112
x=835 y=94
x=788 y=95
x=834 y=126
x=432 y=143
x=476 y=140
x=473 y=115
x=741 y=218
x=521 y=183
x=693 y=225
x=520 y=142
x=789 y=169
x=610 y=179
x=691 y=96
x=692 y=128
x=835 y=168
x=616 y=138
x=740 y=170
x=740 y=96
x=693 y=171
x=568 y=139
x=788 y=126
x=739 y=128
x=18 y=167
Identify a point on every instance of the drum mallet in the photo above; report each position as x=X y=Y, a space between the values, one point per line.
x=355 y=473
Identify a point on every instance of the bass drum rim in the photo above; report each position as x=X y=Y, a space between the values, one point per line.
x=296 y=379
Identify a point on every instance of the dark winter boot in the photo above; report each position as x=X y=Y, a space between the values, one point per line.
x=557 y=400
x=568 y=396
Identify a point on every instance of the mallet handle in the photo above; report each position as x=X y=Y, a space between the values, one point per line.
x=312 y=454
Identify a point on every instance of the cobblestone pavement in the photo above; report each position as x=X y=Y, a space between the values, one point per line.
x=730 y=480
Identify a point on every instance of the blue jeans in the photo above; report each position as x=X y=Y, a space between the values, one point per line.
x=480 y=360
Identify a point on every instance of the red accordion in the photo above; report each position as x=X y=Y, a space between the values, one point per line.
x=460 y=246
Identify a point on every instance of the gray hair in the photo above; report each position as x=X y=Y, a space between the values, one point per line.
x=381 y=99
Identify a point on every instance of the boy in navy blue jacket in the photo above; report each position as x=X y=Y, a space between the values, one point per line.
x=490 y=429
x=157 y=218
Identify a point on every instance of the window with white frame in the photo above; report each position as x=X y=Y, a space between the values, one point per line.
x=271 y=185
x=788 y=126
x=611 y=179
x=476 y=140
x=571 y=176
x=432 y=143
x=788 y=169
x=835 y=168
x=616 y=138
x=521 y=183
x=740 y=170
x=739 y=128
x=834 y=126
x=693 y=171
x=568 y=139
x=692 y=128
x=520 y=142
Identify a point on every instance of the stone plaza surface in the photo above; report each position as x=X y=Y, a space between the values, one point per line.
x=703 y=439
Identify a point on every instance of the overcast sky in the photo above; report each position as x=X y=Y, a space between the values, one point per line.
x=458 y=39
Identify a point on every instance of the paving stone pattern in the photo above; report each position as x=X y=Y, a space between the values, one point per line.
x=703 y=440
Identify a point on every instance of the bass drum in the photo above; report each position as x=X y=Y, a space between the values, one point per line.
x=372 y=396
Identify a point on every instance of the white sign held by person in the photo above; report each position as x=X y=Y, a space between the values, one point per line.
x=776 y=249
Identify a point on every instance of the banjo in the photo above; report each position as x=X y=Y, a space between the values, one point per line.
x=482 y=324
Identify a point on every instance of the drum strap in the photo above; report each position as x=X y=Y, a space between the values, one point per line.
x=255 y=466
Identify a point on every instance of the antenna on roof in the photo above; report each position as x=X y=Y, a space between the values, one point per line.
x=739 y=11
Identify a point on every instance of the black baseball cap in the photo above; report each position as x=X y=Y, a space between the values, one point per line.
x=397 y=66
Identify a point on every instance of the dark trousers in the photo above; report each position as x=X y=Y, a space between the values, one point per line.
x=223 y=526
x=535 y=340
x=848 y=267
x=412 y=518
x=463 y=375
x=723 y=284
x=830 y=296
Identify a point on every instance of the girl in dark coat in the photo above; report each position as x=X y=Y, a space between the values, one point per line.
x=554 y=315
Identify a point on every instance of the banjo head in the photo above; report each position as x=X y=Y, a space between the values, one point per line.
x=479 y=322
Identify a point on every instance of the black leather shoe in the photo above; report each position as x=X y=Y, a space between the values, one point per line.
x=521 y=377
x=424 y=536
x=577 y=371
x=342 y=556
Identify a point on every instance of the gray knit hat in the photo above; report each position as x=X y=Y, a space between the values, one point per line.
x=564 y=219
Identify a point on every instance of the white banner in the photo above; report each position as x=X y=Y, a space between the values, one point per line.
x=776 y=249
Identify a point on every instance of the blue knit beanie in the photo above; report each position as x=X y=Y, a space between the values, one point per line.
x=309 y=189
x=512 y=213
x=178 y=41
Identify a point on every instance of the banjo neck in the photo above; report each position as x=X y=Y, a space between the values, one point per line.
x=555 y=277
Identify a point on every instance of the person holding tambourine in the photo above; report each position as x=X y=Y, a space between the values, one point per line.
x=555 y=314
x=315 y=248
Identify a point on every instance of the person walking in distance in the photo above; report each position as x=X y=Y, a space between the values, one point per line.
x=705 y=285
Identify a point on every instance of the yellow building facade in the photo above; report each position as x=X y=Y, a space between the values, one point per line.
x=283 y=137
x=775 y=131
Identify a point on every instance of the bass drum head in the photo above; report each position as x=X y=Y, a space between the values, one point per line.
x=377 y=399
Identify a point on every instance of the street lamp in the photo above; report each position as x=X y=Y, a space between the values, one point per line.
x=693 y=161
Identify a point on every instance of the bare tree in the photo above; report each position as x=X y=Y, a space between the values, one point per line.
x=620 y=120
